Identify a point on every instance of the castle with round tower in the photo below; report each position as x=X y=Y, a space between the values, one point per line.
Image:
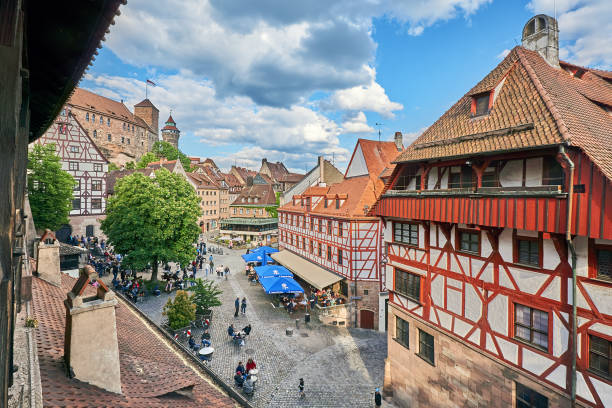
x=170 y=133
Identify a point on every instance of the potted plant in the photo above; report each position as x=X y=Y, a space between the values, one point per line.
x=205 y=296
x=180 y=311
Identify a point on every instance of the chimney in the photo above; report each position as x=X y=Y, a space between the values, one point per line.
x=541 y=34
x=249 y=181
x=399 y=141
x=321 y=169
x=48 y=259
x=91 y=350
x=264 y=160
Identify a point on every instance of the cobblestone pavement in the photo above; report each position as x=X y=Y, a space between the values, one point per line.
x=340 y=366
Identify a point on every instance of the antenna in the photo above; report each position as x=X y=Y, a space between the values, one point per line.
x=378 y=125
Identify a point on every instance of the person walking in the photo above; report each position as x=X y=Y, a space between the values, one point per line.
x=301 y=388
x=243 y=305
x=206 y=268
x=237 y=306
x=226 y=271
x=377 y=398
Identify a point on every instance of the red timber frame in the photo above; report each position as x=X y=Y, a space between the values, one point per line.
x=492 y=280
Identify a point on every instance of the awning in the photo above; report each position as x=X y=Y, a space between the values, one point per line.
x=308 y=271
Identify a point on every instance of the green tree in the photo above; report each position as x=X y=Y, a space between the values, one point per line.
x=180 y=310
x=153 y=220
x=50 y=188
x=205 y=295
x=130 y=165
x=146 y=159
x=112 y=166
x=165 y=149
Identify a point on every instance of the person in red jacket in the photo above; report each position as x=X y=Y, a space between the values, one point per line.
x=250 y=365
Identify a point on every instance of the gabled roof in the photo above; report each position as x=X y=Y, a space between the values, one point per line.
x=85 y=99
x=146 y=103
x=264 y=193
x=277 y=170
x=291 y=178
x=244 y=173
x=202 y=180
x=210 y=162
x=152 y=371
x=231 y=180
x=535 y=105
x=371 y=157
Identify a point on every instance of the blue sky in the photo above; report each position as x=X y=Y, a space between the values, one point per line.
x=248 y=80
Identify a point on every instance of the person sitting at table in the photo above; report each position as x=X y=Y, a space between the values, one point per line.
x=247 y=386
x=230 y=330
x=238 y=379
x=250 y=365
x=240 y=369
x=205 y=335
x=192 y=342
x=247 y=329
x=206 y=343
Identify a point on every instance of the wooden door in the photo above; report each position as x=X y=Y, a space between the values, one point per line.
x=366 y=319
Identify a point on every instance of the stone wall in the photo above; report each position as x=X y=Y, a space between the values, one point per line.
x=369 y=301
x=460 y=377
x=79 y=224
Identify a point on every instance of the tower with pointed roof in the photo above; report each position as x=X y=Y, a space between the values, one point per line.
x=170 y=132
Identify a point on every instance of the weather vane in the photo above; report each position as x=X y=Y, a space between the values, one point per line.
x=378 y=125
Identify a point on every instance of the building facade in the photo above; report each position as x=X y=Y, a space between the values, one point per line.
x=281 y=178
x=83 y=160
x=488 y=215
x=323 y=174
x=330 y=226
x=252 y=216
x=210 y=195
x=170 y=133
x=120 y=135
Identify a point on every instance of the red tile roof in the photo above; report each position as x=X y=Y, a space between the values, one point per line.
x=263 y=192
x=90 y=101
x=145 y=103
x=377 y=155
x=536 y=106
x=291 y=178
x=151 y=370
x=277 y=170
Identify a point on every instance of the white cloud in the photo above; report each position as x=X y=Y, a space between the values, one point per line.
x=356 y=123
x=585 y=29
x=503 y=54
x=370 y=97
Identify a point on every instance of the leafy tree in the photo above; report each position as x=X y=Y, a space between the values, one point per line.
x=112 y=166
x=180 y=310
x=205 y=295
x=165 y=149
x=152 y=220
x=50 y=188
x=146 y=159
x=130 y=165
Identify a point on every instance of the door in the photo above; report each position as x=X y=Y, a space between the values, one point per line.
x=366 y=319
x=89 y=230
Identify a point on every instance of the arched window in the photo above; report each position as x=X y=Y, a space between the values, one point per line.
x=95 y=133
x=101 y=120
x=87 y=116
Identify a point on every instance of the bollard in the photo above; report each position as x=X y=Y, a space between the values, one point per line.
x=307 y=318
x=297 y=323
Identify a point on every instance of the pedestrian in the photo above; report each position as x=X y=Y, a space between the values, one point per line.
x=212 y=266
x=301 y=388
x=226 y=271
x=377 y=398
x=237 y=306
x=243 y=305
x=206 y=270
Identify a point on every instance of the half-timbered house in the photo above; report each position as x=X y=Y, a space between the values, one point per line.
x=330 y=228
x=496 y=218
x=83 y=160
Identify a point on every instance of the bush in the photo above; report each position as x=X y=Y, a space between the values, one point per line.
x=205 y=295
x=180 y=310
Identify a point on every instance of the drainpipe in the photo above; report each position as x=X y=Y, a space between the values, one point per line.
x=570 y=244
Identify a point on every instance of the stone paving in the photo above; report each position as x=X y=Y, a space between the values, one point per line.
x=341 y=367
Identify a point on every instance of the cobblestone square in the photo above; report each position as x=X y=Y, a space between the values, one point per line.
x=341 y=367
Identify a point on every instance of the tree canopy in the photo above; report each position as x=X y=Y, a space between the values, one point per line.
x=50 y=188
x=164 y=149
x=152 y=220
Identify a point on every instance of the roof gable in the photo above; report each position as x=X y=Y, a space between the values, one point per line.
x=358 y=165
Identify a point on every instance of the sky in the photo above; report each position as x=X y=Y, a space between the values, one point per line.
x=291 y=81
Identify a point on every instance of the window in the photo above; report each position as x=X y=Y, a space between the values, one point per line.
x=109 y=137
x=241 y=211
x=600 y=355
x=74 y=149
x=337 y=203
x=329 y=253
x=122 y=139
x=325 y=202
x=108 y=122
x=320 y=251
x=528 y=251
x=340 y=229
x=402 y=332
x=461 y=177
x=311 y=247
x=339 y=257
x=408 y=284
x=62 y=129
x=490 y=176
x=528 y=398
x=87 y=116
x=73 y=166
x=469 y=241
x=95 y=133
x=480 y=104
x=101 y=120
x=248 y=210
x=604 y=263
x=552 y=172
x=320 y=222
x=97 y=167
x=329 y=227
x=531 y=326
x=93 y=117
x=76 y=204
x=96 y=185
x=304 y=243
x=426 y=347
x=406 y=233
x=123 y=125
x=128 y=140
x=96 y=203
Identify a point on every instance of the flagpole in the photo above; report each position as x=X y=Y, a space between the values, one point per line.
x=146 y=89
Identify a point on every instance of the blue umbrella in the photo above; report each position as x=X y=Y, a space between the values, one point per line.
x=255 y=257
x=273 y=271
x=280 y=285
x=265 y=249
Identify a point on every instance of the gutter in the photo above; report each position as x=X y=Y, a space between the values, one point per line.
x=570 y=244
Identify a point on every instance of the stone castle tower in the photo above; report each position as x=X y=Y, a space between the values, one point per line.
x=149 y=113
x=541 y=34
x=170 y=132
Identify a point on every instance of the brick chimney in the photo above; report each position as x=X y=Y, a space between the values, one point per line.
x=48 y=259
x=91 y=350
x=399 y=141
x=541 y=34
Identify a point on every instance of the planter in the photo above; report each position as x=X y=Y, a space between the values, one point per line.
x=208 y=315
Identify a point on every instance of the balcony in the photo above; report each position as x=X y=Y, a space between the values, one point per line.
x=536 y=191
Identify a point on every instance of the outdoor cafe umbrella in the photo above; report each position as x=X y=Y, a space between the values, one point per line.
x=274 y=286
x=272 y=271
x=264 y=249
x=256 y=257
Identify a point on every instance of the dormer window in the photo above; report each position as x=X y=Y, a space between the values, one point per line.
x=481 y=104
x=337 y=203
